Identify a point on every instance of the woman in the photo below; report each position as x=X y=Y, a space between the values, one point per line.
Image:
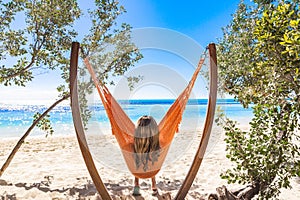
x=146 y=148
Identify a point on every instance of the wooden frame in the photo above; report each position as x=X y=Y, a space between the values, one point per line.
x=82 y=139
x=209 y=119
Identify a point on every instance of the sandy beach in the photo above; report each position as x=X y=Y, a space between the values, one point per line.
x=53 y=168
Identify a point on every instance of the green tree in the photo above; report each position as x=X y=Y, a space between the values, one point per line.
x=44 y=40
x=259 y=65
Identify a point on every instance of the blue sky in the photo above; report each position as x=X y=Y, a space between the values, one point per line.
x=201 y=21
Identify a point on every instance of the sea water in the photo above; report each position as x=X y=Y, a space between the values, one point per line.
x=16 y=119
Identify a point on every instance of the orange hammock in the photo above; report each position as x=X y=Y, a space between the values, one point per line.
x=123 y=128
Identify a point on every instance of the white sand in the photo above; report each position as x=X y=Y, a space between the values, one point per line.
x=53 y=168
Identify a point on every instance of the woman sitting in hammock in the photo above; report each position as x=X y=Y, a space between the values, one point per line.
x=146 y=148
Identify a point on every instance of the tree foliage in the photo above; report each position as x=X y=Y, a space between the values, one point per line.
x=42 y=42
x=37 y=35
x=259 y=65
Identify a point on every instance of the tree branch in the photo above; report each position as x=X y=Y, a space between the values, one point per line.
x=21 y=141
x=21 y=71
x=38 y=44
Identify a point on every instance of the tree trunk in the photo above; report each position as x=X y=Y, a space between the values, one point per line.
x=21 y=141
x=246 y=193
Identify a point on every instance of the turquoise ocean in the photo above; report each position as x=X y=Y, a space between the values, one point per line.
x=16 y=119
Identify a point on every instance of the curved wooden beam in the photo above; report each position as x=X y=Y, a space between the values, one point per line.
x=88 y=159
x=213 y=74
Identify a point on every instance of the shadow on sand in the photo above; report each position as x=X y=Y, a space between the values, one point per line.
x=85 y=191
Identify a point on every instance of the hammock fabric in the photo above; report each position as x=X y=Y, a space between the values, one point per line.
x=123 y=128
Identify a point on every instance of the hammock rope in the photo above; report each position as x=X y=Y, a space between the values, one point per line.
x=122 y=126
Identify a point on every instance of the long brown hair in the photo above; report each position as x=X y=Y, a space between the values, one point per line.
x=146 y=141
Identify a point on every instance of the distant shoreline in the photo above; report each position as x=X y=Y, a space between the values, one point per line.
x=15 y=119
x=135 y=101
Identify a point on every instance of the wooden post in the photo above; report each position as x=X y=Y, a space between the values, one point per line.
x=88 y=159
x=207 y=126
